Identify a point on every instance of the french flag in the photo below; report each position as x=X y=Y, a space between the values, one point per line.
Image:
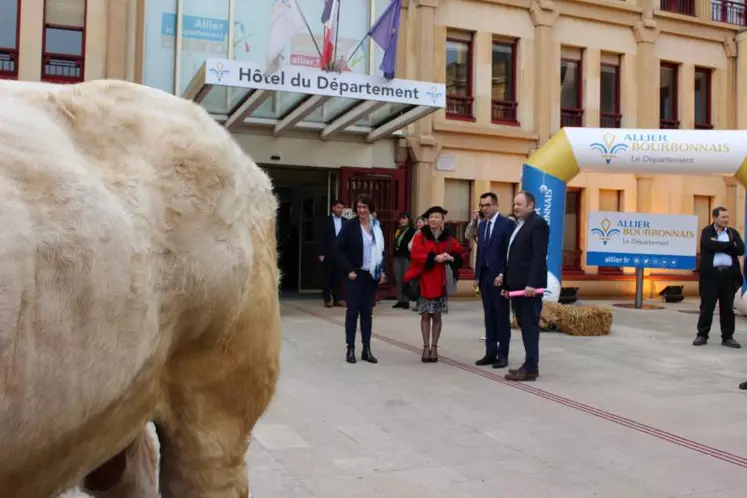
x=329 y=19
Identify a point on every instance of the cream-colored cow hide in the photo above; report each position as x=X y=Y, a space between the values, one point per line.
x=138 y=281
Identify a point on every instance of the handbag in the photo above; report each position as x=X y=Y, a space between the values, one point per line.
x=411 y=289
x=451 y=277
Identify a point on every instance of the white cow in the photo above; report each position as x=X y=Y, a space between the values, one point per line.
x=138 y=281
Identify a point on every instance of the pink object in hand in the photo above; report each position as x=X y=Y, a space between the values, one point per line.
x=519 y=293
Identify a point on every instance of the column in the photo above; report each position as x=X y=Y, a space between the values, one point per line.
x=644 y=191
x=116 y=39
x=686 y=95
x=703 y=9
x=544 y=15
x=723 y=101
x=591 y=68
x=424 y=148
x=731 y=200
x=741 y=107
x=647 y=77
x=482 y=77
x=30 y=48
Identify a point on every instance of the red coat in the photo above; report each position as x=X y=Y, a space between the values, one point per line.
x=423 y=264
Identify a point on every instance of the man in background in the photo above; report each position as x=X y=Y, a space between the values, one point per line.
x=493 y=234
x=526 y=270
x=720 y=277
x=328 y=231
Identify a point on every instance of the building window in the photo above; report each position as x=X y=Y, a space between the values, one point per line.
x=64 y=41
x=10 y=17
x=686 y=7
x=457 y=195
x=609 y=91
x=668 y=112
x=731 y=11
x=571 y=91
x=459 y=96
x=703 y=99
x=572 y=236
x=504 y=105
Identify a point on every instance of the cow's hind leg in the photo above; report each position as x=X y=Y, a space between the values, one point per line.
x=130 y=474
x=217 y=394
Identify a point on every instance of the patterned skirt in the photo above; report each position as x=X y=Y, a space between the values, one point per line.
x=438 y=305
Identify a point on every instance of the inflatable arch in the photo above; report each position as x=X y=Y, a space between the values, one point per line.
x=548 y=170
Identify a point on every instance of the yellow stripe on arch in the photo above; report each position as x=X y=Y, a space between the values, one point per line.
x=556 y=158
x=741 y=174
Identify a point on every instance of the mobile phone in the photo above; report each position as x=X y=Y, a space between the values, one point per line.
x=477 y=292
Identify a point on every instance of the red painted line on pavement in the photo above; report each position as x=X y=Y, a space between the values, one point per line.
x=596 y=412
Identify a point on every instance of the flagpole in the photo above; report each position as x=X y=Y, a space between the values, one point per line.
x=308 y=28
x=357 y=48
x=337 y=33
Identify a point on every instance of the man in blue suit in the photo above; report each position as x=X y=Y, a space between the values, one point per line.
x=493 y=236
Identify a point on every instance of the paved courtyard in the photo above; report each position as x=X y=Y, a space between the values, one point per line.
x=640 y=413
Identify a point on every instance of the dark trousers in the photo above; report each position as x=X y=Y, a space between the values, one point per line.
x=361 y=294
x=497 y=314
x=332 y=280
x=528 y=311
x=719 y=287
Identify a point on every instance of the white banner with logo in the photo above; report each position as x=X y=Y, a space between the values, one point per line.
x=658 y=151
x=318 y=82
x=642 y=240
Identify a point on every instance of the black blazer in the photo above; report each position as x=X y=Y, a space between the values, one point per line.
x=325 y=239
x=403 y=251
x=491 y=254
x=709 y=248
x=527 y=258
x=348 y=248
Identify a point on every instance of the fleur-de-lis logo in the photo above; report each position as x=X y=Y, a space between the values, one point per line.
x=609 y=148
x=605 y=231
x=220 y=71
x=434 y=94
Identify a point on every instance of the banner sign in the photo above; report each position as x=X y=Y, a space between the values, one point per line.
x=317 y=82
x=642 y=240
x=658 y=151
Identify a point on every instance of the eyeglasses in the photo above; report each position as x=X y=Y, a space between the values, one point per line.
x=486 y=205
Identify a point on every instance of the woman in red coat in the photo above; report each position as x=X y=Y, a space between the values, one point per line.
x=432 y=249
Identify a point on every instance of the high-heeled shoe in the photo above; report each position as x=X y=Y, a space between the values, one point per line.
x=426 y=358
x=434 y=354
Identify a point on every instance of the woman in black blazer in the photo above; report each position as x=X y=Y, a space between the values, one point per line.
x=360 y=252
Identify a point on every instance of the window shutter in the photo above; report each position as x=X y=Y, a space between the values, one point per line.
x=68 y=13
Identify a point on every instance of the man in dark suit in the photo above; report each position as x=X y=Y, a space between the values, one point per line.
x=493 y=234
x=720 y=277
x=526 y=270
x=329 y=230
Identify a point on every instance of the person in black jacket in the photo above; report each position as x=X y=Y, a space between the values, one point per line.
x=402 y=238
x=720 y=277
x=361 y=253
x=329 y=229
x=526 y=270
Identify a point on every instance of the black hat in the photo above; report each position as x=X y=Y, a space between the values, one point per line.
x=435 y=209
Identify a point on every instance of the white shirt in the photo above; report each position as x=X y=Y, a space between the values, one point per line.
x=337 y=220
x=722 y=259
x=513 y=236
x=368 y=247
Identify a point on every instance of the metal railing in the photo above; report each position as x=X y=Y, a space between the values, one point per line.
x=669 y=124
x=729 y=11
x=504 y=111
x=571 y=117
x=8 y=63
x=62 y=68
x=686 y=7
x=572 y=260
x=610 y=119
x=459 y=107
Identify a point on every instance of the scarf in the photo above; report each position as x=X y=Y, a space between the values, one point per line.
x=398 y=235
x=377 y=257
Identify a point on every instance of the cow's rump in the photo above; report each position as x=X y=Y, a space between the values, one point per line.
x=136 y=239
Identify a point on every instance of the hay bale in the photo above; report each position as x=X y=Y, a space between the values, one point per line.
x=586 y=320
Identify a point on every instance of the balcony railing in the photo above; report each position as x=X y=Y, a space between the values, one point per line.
x=703 y=126
x=669 y=124
x=459 y=107
x=8 y=63
x=60 y=68
x=686 y=7
x=571 y=117
x=505 y=112
x=610 y=119
x=572 y=260
x=729 y=11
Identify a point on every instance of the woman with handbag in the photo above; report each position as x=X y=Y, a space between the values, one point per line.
x=435 y=258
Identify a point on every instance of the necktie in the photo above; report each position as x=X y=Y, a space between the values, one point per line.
x=488 y=230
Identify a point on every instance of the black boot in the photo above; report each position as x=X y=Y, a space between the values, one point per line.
x=351 y=354
x=367 y=355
